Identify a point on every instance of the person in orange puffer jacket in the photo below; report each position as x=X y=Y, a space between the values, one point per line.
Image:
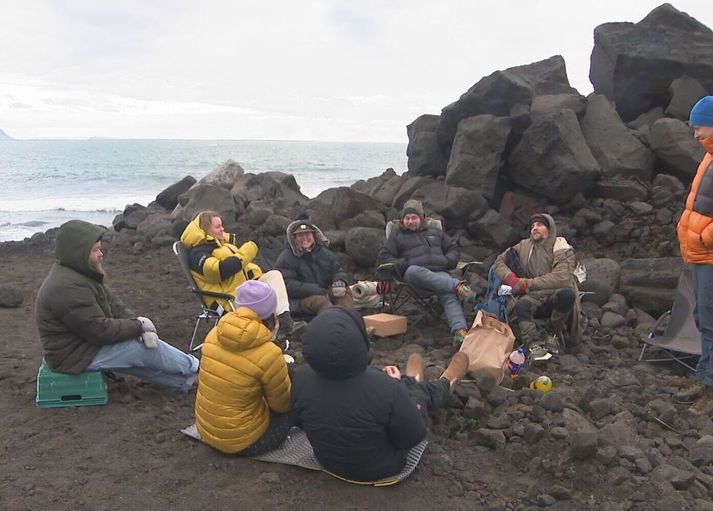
x=695 y=236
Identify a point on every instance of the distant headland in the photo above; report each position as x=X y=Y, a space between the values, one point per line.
x=5 y=136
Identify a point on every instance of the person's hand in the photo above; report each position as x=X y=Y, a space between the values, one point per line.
x=146 y=324
x=510 y=279
x=150 y=339
x=504 y=290
x=392 y=371
x=520 y=288
x=339 y=288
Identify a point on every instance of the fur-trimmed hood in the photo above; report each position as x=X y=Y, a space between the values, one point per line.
x=319 y=237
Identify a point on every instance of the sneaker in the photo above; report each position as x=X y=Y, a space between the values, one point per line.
x=459 y=336
x=689 y=394
x=552 y=345
x=414 y=367
x=465 y=293
x=538 y=352
x=704 y=404
x=457 y=369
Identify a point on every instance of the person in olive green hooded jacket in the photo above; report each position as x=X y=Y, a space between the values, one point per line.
x=83 y=326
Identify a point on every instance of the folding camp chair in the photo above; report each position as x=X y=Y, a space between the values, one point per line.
x=206 y=313
x=680 y=339
x=396 y=292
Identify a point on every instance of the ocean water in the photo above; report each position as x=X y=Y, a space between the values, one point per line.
x=44 y=183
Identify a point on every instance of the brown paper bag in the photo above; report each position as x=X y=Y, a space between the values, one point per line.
x=488 y=345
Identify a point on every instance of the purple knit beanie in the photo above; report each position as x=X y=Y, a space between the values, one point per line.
x=257 y=296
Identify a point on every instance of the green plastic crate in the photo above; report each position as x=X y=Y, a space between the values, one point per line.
x=57 y=390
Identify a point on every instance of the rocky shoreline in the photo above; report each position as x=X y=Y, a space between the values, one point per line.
x=612 y=168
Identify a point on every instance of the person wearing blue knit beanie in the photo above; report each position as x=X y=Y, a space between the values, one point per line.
x=695 y=236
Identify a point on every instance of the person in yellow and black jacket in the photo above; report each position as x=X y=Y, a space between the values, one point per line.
x=220 y=266
x=695 y=236
x=244 y=387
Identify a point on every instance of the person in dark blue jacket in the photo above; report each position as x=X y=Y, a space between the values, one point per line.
x=362 y=421
x=424 y=255
x=313 y=276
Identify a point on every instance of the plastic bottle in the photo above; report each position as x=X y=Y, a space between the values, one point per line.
x=542 y=383
x=515 y=361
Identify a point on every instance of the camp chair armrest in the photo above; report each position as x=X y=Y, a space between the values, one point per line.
x=212 y=294
x=387 y=271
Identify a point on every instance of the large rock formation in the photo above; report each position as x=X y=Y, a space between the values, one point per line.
x=553 y=159
x=634 y=64
x=500 y=92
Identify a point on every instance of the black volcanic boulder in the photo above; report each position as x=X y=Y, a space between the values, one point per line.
x=553 y=159
x=267 y=186
x=476 y=157
x=225 y=175
x=362 y=244
x=10 y=296
x=132 y=216
x=493 y=228
x=498 y=93
x=453 y=203
x=685 y=92
x=208 y=197
x=425 y=156
x=650 y=284
x=383 y=188
x=408 y=188
x=550 y=104
x=348 y=203
x=673 y=143
x=168 y=198
x=618 y=152
x=633 y=64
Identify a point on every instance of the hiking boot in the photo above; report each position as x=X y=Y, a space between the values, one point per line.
x=704 y=404
x=552 y=345
x=457 y=369
x=458 y=337
x=465 y=293
x=414 y=367
x=538 y=352
x=689 y=394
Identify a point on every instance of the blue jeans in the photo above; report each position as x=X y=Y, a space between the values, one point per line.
x=442 y=284
x=164 y=365
x=703 y=314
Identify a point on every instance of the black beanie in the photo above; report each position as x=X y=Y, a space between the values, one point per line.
x=539 y=217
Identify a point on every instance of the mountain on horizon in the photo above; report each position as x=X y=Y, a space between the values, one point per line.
x=5 y=136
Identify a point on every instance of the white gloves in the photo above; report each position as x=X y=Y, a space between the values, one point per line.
x=150 y=339
x=339 y=288
x=146 y=324
x=149 y=336
x=504 y=290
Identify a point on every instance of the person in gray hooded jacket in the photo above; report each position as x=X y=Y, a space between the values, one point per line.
x=313 y=276
x=540 y=270
x=84 y=326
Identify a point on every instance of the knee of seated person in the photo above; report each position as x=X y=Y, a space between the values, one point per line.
x=523 y=308
x=564 y=299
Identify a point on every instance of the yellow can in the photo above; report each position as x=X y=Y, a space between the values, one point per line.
x=542 y=383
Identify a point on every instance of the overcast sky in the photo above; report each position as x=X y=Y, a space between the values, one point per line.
x=301 y=70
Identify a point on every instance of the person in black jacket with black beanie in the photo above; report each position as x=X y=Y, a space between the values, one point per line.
x=313 y=276
x=362 y=421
